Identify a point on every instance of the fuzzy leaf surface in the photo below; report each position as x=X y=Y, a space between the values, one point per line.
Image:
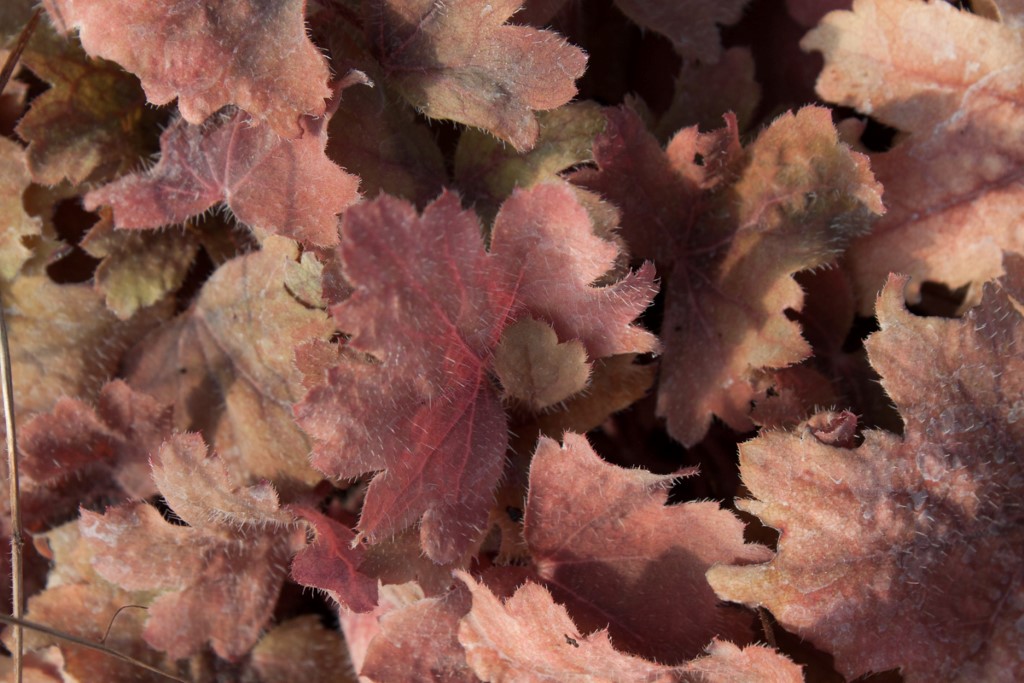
x=905 y=552
x=64 y=342
x=605 y=543
x=227 y=377
x=732 y=230
x=224 y=587
x=461 y=61
x=430 y=306
x=953 y=186
x=531 y=638
x=113 y=440
x=330 y=563
x=279 y=185
x=255 y=55
x=420 y=641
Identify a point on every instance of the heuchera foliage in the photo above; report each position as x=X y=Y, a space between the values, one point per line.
x=516 y=340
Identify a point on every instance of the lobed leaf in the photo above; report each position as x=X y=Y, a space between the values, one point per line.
x=331 y=563
x=224 y=588
x=137 y=269
x=460 y=61
x=430 y=306
x=530 y=637
x=605 y=543
x=227 y=366
x=17 y=224
x=255 y=55
x=905 y=552
x=112 y=441
x=954 y=183
x=283 y=186
x=92 y=124
x=732 y=230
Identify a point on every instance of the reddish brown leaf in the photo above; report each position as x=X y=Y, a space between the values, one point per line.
x=283 y=186
x=733 y=229
x=85 y=610
x=726 y=663
x=218 y=578
x=251 y=54
x=907 y=551
x=301 y=649
x=545 y=237
x=227 y=365
x=954 y=185
x=375 y=136
x=460 y=61
x=330 y=563
x=610 y=549
x=430 y=305
x=487 y=170
x=419 y=642
x=691 y=25
x=532 y=638
x=112 y=441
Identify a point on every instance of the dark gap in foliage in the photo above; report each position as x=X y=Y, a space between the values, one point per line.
x=860 y=329
x=877 y=137
x=653 y=316
x=756 y=531
x=36 y=85
x=785 y=73
x=296 y=600
x=160 y=503
x=200 y=270
x=446 y=135
x=623 y=59
x=939 y=300
x=71 y=222
x=717 y=456
x=635 y=437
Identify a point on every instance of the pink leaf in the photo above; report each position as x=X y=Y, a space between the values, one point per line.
x=251 y=54
x=284 y=186
x=332 y=564
x=604 y=541
x=907 y=550
x=731 y=225
x=460 y=61
x=218 y=579
x=430 y=305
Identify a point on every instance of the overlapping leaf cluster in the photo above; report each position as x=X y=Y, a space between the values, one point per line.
x=514 y=331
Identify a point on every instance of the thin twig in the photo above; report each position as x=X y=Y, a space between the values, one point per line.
x=42 y=628
x=110 y=625
x=17 y=543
